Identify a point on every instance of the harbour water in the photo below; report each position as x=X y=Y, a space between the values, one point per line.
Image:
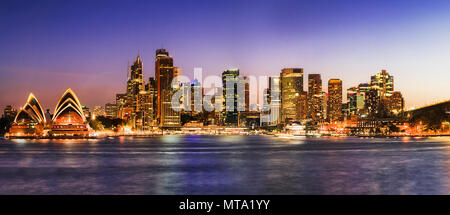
x=226 y=165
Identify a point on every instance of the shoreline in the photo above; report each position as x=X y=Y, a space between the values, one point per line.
x=274 y=135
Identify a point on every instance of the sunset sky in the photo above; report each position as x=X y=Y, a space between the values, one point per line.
x=49 y=46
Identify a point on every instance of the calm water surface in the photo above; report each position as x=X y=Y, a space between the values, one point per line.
x=226 y=165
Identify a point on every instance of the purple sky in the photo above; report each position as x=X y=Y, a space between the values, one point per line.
x=49 y=46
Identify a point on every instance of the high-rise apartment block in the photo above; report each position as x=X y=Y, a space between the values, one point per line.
x=291 y=88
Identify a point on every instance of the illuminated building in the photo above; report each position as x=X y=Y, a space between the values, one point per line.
x=272 y=103
x=86 y=112
x=120 y=103
x=145 y=110
x=302 y=105
x=135 y=83
x=356 y=98
x=9 y=112
x=395 y=103
x=291 y=88
x=163 y=69
x=164 y=74
x=315 y=96
x=383 y=83
x=372 y=101
x=30 y=119
x=324 y=100
x=98 y=111
x=275 y=100
x=250 y=119
x=345 y=110
x=230 y=80
x=352 y=99
x=218 y=117
x=194 y=93
x=151 y=88
x=127 y=114
x=247 y=93
x=68 y=118
x=170 y=117
x=334 y=106
x=111 y=110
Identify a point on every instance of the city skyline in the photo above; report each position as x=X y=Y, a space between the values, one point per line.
x=42 y=56
x=323 y=87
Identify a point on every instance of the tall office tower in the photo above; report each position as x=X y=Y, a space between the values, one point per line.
x=135 y=83
x=334 y=106
x=111 y=110
x=383 y=83
x=170 y=116
x=9 y=112
x=164 y=74
x=315 y=96
x=145 y=110
x=230 y=82
x=291 y=88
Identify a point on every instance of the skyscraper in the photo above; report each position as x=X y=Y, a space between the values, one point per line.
x=145 y=110
x=315 y=96
x=230 y=80
x=291 y=88
x=163 y=69
x=334 y=109
x=383 y=83
x=164 y=75
x=135 y=83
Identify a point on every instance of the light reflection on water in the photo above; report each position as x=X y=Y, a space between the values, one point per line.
x=226 y=165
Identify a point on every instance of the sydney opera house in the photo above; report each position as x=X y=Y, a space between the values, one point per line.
x=67 y=120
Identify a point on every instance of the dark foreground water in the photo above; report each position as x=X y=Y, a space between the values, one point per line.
x=226 y=165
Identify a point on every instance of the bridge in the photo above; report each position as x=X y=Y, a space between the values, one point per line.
x=433 y=116
x=444 y=104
